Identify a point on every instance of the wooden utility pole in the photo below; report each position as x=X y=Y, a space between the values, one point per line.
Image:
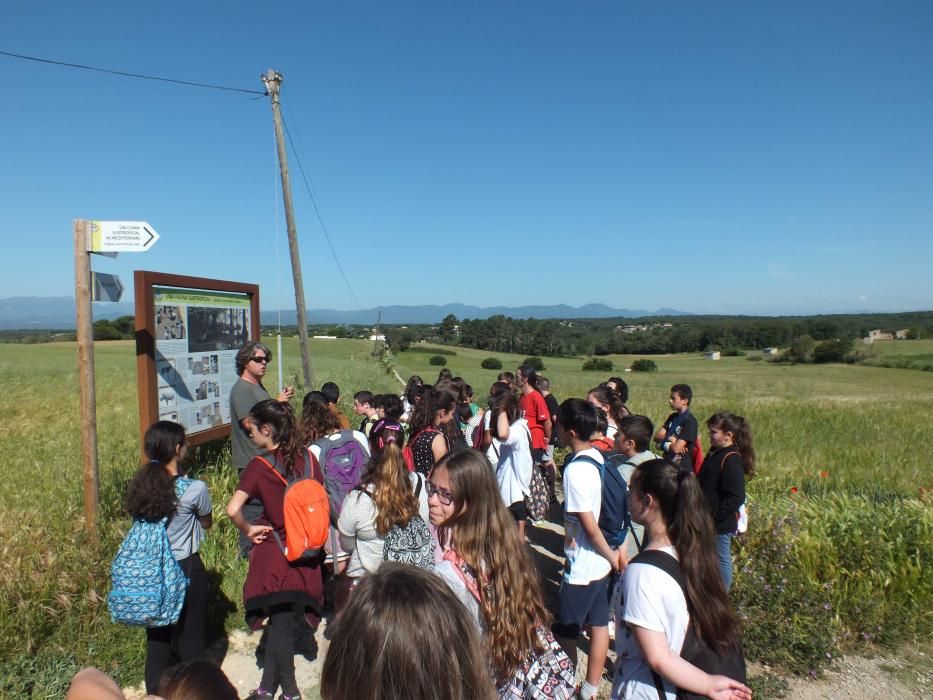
x=88 y=394
x=273 y=83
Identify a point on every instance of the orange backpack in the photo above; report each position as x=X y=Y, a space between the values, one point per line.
x=307 y=512
x=696 y=456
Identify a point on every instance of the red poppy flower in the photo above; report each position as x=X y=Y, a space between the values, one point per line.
x=824 y=475
x=793 y=490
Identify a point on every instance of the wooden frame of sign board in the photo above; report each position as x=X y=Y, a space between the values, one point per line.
x=218 y=345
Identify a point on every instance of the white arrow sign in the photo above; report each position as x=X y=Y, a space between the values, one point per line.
x=121 y=237
x=106 y=287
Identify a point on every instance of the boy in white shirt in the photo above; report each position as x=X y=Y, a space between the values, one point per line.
x=584 y=590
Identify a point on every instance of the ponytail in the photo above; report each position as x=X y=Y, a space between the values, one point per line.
x=392 y=494
x=280 y=417
x=741 y=436
x=690 y=529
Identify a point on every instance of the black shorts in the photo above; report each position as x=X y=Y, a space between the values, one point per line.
x=519 y=511
x=582 y=604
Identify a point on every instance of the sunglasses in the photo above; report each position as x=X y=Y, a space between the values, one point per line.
x=443 y=495
x=263 y=359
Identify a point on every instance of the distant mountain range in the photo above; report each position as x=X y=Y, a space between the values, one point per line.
x=59 y=313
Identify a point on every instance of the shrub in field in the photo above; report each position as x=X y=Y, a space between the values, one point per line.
x=733 y=352
x=491 y=363
x=831 y=351
x=597 y=364
x=644 y=365
x=436 y=351
x=535 y=362
x=438 y=361
x=753 y=358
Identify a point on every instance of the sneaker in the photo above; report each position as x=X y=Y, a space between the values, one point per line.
x=260 y=694
x=296 y=696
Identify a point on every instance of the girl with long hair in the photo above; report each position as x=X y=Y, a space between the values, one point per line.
x=388 y=495
x=161 y=490
x=722 y=479
x=605 y=398
x=429 y=443
x=655 y=611
x=405 y=635
x=515 y=463
x=489 y=569
x=275 y=589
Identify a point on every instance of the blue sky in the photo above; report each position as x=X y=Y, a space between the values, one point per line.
x=718 y=157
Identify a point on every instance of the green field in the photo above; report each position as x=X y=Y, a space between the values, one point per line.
x=842 y=561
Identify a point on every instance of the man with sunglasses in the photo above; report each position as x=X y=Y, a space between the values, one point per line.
x=252 y=361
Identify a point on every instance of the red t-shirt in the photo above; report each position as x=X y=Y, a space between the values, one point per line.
x=534 y=410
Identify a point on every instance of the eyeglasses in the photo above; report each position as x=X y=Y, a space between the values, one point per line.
x=443 y=495
x=263 y=359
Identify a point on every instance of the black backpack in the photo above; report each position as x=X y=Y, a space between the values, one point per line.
x=694 y=650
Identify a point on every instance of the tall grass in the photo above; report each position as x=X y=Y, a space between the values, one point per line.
x=856 y=536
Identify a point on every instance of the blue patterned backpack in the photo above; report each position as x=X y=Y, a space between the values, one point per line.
x=148 y=586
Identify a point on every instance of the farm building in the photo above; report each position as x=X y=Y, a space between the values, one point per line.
x=769 y=352
x=713 y=355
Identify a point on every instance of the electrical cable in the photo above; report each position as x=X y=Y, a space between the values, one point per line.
x=124 y=74
x=319 y=217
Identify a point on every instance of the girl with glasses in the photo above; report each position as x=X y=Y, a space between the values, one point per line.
x=488 y=568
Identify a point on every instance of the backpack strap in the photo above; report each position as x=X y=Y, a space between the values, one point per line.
x=722 y=464
x=464 y=571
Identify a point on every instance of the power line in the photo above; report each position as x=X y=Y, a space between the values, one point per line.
x=319 y=217
x=129 y=75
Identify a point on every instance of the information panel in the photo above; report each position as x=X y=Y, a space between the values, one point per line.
x=187 y=341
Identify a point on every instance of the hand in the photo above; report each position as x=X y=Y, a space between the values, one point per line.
x=623 y=558
x=722 y=688
x=287 y=393
x=258 y=533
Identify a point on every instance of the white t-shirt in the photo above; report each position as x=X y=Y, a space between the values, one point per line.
x=513 y=471
x=583 y=493
x=655 y=601
x=333 y=437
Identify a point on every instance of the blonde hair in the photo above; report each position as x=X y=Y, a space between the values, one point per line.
x=483 y=533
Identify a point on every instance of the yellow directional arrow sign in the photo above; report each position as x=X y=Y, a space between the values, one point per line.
x=120 y=237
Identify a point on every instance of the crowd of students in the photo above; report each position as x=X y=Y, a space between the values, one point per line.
x=436 y=594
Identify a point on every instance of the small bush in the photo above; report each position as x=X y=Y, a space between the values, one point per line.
x=436 y=351
x=733 y=352
x=597 y=364
x=491 y=363
x=535 y=362
x=831 y=351
x=644 y=365
x=753 y=358
x=438 y=361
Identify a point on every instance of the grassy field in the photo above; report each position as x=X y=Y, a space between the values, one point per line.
x=838 y=554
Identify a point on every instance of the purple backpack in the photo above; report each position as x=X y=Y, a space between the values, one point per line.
x=343 y=460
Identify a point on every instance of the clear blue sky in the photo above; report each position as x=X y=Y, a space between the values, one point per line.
x=716 y=157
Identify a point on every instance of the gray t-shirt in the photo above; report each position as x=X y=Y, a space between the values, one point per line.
x=243 y=397
x=183 y=528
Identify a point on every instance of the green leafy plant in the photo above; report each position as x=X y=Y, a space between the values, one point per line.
x=536 y=363
x=644 y=365
x=597 y=364
x=438 y=361
x=491 y=363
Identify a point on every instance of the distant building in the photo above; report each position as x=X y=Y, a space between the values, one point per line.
x=769 y=352
x=879 y=334
x=713 y=355
x=324 y=337
x=902 y=334
x=379 y=336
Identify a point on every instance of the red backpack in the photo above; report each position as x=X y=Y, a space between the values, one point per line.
x=407 y=454
x=307 y=512
x=696 y=454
